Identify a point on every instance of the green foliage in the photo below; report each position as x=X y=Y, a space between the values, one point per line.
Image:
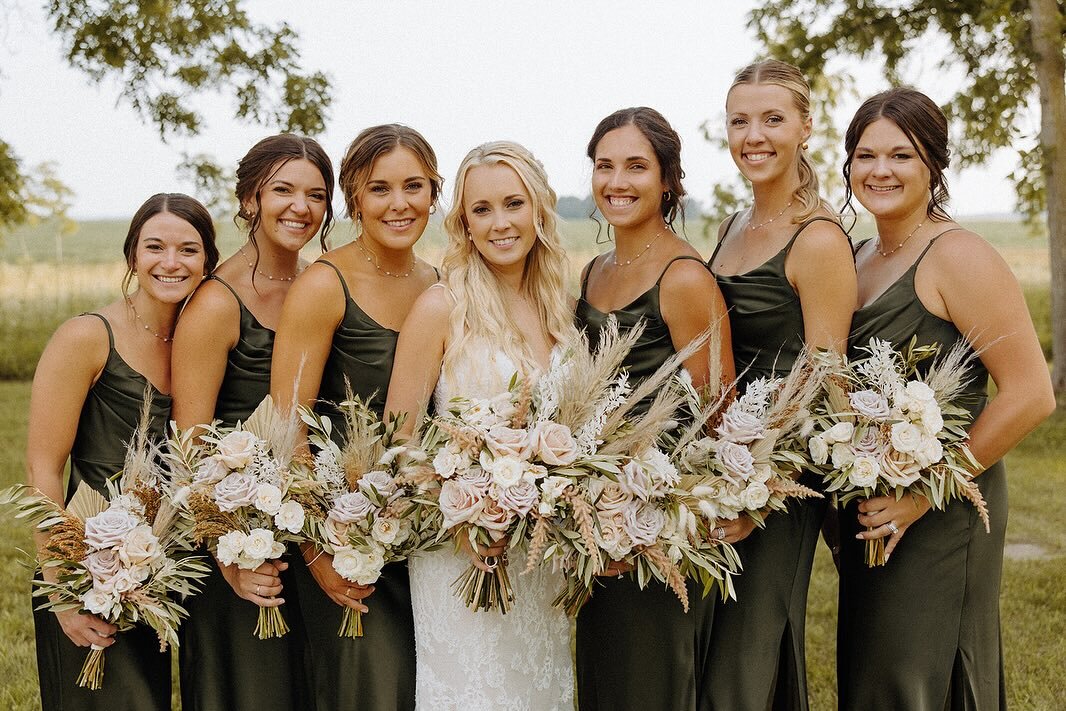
x=214 y=185
x=12 y=210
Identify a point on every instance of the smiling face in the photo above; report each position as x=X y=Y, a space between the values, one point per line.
x=394 y=204
x=765 y=131
x=627 y=181
x=292 y=204
x=169 y=259
x=499 y=215
x=887 y=173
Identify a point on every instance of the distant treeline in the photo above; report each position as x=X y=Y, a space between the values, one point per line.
x=571 y=207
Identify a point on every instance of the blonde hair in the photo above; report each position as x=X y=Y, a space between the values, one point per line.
x=480 y=314
x=783 y=74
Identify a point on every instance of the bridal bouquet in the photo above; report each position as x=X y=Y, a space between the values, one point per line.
x=743 y=455
x=123 y=560
x=883 y=429
x=367 y=516
x=244 y=492
x=615 y=495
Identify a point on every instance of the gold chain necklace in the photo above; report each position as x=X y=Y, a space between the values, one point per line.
x=897 y=247
x=764 y=224
x=164 y=339
x=372 y=258
x=260 y=272
x=642 y=252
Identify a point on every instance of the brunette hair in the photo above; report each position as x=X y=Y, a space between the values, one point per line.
x=783 y=74
x=263 y=161
x=924 y=124
x=666 y=144
x=371 y=144
x=179 y=205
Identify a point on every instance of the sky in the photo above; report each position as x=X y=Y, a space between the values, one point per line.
x=540 y=72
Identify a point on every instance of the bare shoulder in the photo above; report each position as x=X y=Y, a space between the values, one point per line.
x=212 y=300
x=687 y=276
x=80 y=342
x=963 y=255
x=436 y=302
x=823 y=238
x=318 y=281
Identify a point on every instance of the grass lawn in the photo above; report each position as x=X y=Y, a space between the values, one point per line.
x=1033 y=602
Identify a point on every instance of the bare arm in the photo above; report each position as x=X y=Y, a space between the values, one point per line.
x=70 y=364
x=822 y=271
x=206 y=332
x=691 y=302
x=419 y=354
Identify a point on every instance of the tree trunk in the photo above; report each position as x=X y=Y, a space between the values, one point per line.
x=1047 y=28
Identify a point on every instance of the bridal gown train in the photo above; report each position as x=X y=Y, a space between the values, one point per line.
x=487 y=661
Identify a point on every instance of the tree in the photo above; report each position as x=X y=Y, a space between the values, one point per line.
x=47 y=200
x=1012 y=53
x=167 y=52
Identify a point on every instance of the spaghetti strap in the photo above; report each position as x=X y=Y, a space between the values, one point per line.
x=807 y=223
x=677 y=258
x=223 y=282
x=585 y=279
x=931 y=243
x=107 y=325
x=344 y=284
x=728 y=226
x=437 y=272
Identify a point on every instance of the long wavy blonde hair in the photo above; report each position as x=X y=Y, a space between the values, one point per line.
x=783 y=74
x=480 y=315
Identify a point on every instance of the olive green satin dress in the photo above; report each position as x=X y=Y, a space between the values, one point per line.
x=638 y=649
x=223 y=664
x=136 y=673
x=757 y=645
x=376 y=671
x=922 y=632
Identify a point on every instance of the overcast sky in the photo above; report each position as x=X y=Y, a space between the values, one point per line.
x=462 y=72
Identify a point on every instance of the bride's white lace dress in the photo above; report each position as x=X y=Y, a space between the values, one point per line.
x=487 y=661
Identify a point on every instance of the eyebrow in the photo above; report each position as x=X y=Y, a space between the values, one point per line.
x=405 y=180
x=900 y=147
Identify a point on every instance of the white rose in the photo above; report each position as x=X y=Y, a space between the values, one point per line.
x=906 y=437
x=237 y=448
x=736 y=460
x=754 y=496
x=210 y=471
x=643 y=523
x=480 y=414
x=268 y=498
x=899 y=470
x=918 y=393
x=819 y=450
x=121 y=582
x=351 y=507
x=519 y=498
x=476 y=479
x=385 y=530
x=504 y=441
x=869 y=441
x=840 y=432
x=864 y=472
x=555 y=444
x=506 y=471
x=932 y=419
x=260 y=544
x=103 y=564
x=101 y=602
x=929 y=452
x=842 y=455
x=141 y=547
x=459 y=502
x=662 y=470
x=359 y=567
x=230 y=546
x=109 y=528
x=610 y=497
x=636 y=480
x=611 y=538
x=379 y=481
x=235 y=491
x=870 y=404
x=290 y=517
x=739 y=426
x=448 y=461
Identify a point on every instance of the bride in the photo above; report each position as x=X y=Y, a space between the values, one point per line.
x=500 y=309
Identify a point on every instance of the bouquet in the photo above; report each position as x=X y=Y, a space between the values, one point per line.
x=744 y=455
x=614 y=495
x=883 y=429
x=367 y=516
x=244 y=493
x=121 y=559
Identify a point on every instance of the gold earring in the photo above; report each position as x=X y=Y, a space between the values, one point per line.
x=432 y=209
x=804 y=146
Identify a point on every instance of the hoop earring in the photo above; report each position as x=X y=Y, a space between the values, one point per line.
x=432 y=209
x=666 y=196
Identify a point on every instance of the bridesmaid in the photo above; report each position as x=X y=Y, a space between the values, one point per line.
x=86 y=400
x=341 y=321
x=639 y=649
x=222 y=352
x=785 y=268
x=923 y=630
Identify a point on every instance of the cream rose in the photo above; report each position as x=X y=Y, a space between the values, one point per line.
x=268 y=498
x=109 y=528
x=506 y=471
x=141 y=547
x=840 y=432
x=237 y=448
x=379 y=481
x=754 y=496
x=842 y=455
x=899 y=470
x=100 y=602
x=819 y=450
x=459 y=502
x=235 y=491
x=555 y=444
x=870 y=404
x=613 y=539
x=932 y=419
x=643 y=523
x=290 y=517
x=740 y=427
x=906 y=437
x=736 y=460
x=385 y=530
x=351 y=507
x=230 y=546
x=448 y=461
x=504 y=441
x=611 y=497
x=359 y=567
x=919 y=394
x=929 y=452
x=103 y=564
x=260 y=545
x=864 y=472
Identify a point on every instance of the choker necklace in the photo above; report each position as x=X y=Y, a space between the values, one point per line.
x=642 y=252
x=164 y=339
x=896 y=248
x=764 y=224
x=260 y=272
x=372 y=258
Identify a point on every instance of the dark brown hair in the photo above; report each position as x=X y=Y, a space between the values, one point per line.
x=263 y=161
x=179 y=205
x=925 y=126
x=666 y=144
x=371 y=144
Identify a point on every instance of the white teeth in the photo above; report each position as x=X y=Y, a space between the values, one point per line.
x=170 y=279
x=757 y=156
x=292 y=224
x=880 y=188
x=399 y=223
x=616 y=201
x=504 y=242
